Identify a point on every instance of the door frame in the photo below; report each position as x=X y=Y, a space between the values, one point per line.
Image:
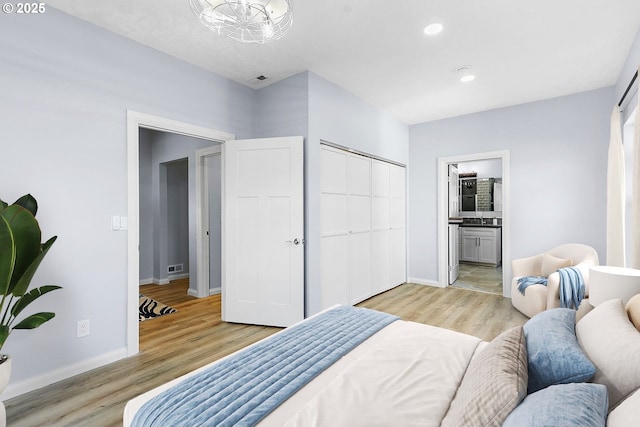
x=202 y=215
x=443 y=214
x=135 y=121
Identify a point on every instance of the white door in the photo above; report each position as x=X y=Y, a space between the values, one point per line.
x=213 y=177
x=454 y=183
x=454 y=256
x=264 y=225
x=397 y=221
x=359 y=221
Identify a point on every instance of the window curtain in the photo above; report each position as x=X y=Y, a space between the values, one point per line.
x=635 y=188
x=616 y=194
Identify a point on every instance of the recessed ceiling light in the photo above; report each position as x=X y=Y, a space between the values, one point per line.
x=433 y=29
x=465 y=74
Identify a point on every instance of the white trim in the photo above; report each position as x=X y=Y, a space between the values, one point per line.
x=154 y=281
x=177 y=276
x=135 y=121
x=17 y=388
x=443 y=213
x=424 y=282
x=202 y=212
x=212 y=291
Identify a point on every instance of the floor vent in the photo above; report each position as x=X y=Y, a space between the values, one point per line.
x=175 y=268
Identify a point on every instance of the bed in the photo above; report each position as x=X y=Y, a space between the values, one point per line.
x=358 y=367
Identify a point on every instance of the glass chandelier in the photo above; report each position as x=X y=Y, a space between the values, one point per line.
x=248 y=21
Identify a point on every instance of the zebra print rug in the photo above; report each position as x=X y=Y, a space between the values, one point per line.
x=150 y=308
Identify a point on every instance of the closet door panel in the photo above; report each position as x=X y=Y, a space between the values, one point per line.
x=334 y=275
x=397 y=214
x=359 y=175
x=359 y=213
x=333 y=171
x=359 y=266
x=333 y=214
x=397 y=182
x=380 y=213
x=397 y=257
x=379 y=178
x=380 y=266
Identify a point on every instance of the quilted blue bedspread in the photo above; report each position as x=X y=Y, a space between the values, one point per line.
x=244 y=388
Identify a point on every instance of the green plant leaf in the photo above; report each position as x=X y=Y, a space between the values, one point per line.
x=4 y=334
x=7 y=255
x=3 y=205
x=35 y=320
x=23 y=282
x=29 y=203
x=31 y=296
x=26 y=237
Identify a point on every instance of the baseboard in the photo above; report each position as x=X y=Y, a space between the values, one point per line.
x=171 y=277
x=424 y=282
x=154 y=281
x=48 y=378
x=212 y=291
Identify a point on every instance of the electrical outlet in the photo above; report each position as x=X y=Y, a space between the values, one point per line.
x=83 y=328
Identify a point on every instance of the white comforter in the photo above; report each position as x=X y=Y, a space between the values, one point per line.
x=405 y=375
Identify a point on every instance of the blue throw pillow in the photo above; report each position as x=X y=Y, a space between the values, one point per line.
x=566 y=405
x=554 y=355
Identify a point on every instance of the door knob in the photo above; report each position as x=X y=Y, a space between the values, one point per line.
x=294 y=241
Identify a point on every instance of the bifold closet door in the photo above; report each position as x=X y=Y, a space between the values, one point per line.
x=397 y=221
x=362 y=226
x=359 y=214
x=381 y=225
x=334 y=276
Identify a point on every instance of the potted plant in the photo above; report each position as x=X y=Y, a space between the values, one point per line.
x=20 y=255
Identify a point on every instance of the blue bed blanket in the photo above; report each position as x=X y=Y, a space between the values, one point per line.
x=244 y=388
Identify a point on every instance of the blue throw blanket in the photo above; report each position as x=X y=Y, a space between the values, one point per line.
x=525 y=281
x=571 y=287
x=244 y=388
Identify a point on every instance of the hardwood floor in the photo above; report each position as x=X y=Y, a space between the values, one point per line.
x=175 y=344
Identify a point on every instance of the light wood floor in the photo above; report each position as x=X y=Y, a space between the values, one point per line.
x=177 y=343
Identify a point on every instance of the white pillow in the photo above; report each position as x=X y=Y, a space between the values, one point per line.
x=627 y=413
x=612 y=343
x=551 y=264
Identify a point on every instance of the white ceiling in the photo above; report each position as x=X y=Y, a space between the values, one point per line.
x=520 y=50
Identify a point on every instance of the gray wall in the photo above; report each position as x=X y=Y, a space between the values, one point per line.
x=558 y=164
x=167 y=236
x=66 y=89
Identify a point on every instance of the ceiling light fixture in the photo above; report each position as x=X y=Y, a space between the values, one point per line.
x=433 y=29
x=465 y=74
x=248 y=21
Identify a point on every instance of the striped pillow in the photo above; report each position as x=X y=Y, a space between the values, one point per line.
x=494 y=384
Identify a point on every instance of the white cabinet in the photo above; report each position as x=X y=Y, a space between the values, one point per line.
x=362 y=226
x=481 y=244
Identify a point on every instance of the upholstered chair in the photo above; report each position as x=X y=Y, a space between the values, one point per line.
x=539 y=297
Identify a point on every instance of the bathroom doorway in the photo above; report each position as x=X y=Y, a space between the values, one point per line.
x=486 y=242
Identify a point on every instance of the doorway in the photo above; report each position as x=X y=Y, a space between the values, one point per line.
x=476 y=213
x=135 y=122
x=444 y=214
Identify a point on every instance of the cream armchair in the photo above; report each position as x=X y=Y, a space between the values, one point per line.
x=538 y=297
